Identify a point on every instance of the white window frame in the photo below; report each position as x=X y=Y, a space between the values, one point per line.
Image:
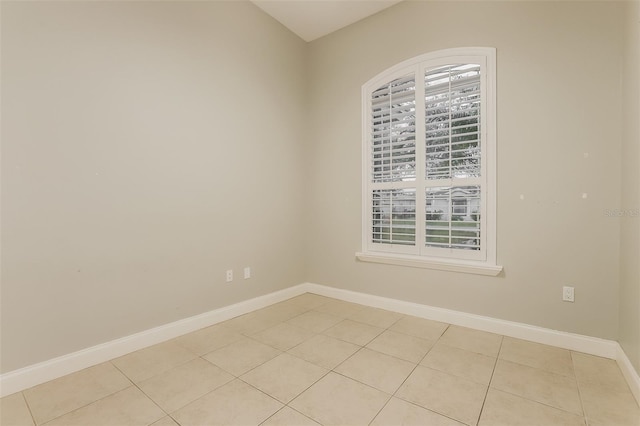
x=481 y=261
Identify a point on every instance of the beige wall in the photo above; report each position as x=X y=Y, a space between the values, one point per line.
x=558 y=98
x=146 y=148
x=630 y=222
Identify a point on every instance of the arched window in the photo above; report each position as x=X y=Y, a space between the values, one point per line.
x=429 y=162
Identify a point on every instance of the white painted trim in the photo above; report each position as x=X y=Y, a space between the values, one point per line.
x=629 y=373
x=561 y=339
x=24 y=378
x=451 y=265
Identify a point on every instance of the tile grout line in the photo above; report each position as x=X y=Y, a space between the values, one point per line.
x=303 y=391
x=95 y=402
x=409 y=375
x=542 y=403
x=285 y=404
x=546 y=371
x=495 y=365
x=92 y=402
x=24 y=398
x=289 y=407
x=283 y=352
x=363 y=347
x=398 y=388
x=201 y=357
x=575 y=376
x=141 y=391
x=172 y=418
x=380 y=410
x=419 y=364
x=342 y=362
x=251 y=369
x=553 y=373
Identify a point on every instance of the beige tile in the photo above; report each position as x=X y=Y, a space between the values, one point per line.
x=148 y=362
x=375 y=369
x=451 y=396
x=309 y=300
x=251 y=323
x=401 y=345
x=538 y=385
x=504 y=409
x=165 y=421
x=176 y=388
x=536 y=355
x=338 y=400
x=289 y=417
x=339 y=308
x=609 y=406
x=594 y=370
x=459 y=362
x=129 y=407
x=284 y=377
x=208 y=339
x=400 y=412
x=314 y=321
x=14 y=411
x=376 y=317
x=593 y=423
x=481 y=342
x=283 y=336
x=324 y=351
x=242 y=356
x=354 y=332
x=235 y=403
x=60 y=396
x=282 y=311
x=419 y=327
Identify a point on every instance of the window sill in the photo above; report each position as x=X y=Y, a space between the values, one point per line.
x=466 y=267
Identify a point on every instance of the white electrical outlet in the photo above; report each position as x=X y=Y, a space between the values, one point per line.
x=247 y=272
x=568 y=294
x=229 y=275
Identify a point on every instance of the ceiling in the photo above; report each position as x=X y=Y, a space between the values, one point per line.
x=312 y=19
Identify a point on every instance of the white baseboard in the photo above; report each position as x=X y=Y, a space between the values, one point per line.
x=24 y=378
x=576 y=342
x=27 y=377
x=629 y=373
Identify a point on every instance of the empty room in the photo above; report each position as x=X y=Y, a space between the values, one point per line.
x=320 y=212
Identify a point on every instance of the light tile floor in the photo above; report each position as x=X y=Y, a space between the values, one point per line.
x=312 y=360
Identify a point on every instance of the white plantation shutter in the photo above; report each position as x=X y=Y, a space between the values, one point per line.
x=453 y=156
x=393 y=162
x=428 y=190
x=452 y=96
x=393 y=131
x=453 y=217
x=394 y=216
